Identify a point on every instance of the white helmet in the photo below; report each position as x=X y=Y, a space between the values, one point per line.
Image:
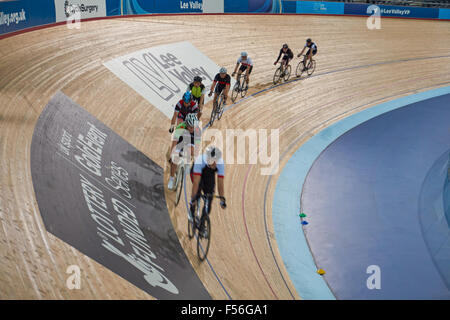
x=243 y=54
x=191 y=120
x=223 y=70
x=213 y=154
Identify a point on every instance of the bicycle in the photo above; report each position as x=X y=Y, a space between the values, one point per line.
x=201 y=224
x=239 y=88
x=282 y=75
x=301 y=67
x=180 y=176
x=217 y=109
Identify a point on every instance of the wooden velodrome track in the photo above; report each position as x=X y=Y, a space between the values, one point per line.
x=356 y=69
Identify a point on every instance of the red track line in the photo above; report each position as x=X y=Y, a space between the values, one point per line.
x=248 y=235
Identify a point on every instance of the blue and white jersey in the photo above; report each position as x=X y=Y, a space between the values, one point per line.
x=200 y=165
x=312 y=46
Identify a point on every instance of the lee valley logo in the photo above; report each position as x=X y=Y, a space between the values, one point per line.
x=161 y=74
x=99 y=194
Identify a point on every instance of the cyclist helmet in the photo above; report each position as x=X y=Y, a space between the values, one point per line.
x=223 y=70
x=308 y=40
x=187 y=97
x=191 y=120
x=213 y=154
x=198 y=79
x=285 y=46
x=243 y=54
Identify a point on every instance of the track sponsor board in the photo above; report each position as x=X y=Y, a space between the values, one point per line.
x=21 y=14
x=86 y=9
x=392 y=11
x=313 y=7
x=161 y=74
x=162 y=6
x=104 y=197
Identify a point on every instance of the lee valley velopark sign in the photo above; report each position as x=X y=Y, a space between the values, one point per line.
x=104 y=197
x=161 y=74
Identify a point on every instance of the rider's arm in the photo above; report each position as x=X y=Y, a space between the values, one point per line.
x=212 y=86
x=235 y=69
x=301 y=52
x=174 y=118
x=281 y=51
x=195 y=185
x=220 y=186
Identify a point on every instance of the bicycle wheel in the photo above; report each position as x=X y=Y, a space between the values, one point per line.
x=300 y=69
x=213 y=114
x=244 y=89
x=235 y=91
x=311 y=67
x=220 y=108
x=179 y=185
x=287 y=73
x=204 y=238
x=277 y=76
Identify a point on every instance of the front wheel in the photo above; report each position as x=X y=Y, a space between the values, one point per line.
x=300 y=69
x=179 y=184
x=219 y=110
x=204 y=237
x=244 y=89
x=277 y=76
x=235 y=92
x=213 y=114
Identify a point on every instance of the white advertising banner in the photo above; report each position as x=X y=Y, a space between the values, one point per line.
x=213 y=6
x=82 y=9
x=161 y=74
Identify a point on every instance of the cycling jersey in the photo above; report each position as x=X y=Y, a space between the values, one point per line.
x=208 y=175
x=221 y=82
x=183 y=111
x=311 y=46
x=182 y=131
x=286 y=55
x=197 y=92
x=247 y=62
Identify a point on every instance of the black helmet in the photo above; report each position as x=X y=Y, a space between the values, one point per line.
x=308 y=40
x=285 y=46
x=198 y=79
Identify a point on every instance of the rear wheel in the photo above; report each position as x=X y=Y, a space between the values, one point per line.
x=287 y=73
x=311 y=67
x=204 y=237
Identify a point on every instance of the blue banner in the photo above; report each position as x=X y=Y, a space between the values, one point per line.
x=313 y=7
x=162 y=6
x=393 y=11
x=22 y=14
x=444 y=14
x=253 y=6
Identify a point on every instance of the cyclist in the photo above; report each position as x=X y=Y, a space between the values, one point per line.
x=312 y=50
x=189 y=130
x=222 y=82
x=246 y=65
x=185 y=106
x=203 y=175
x=198 y=92
x=288 y=55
